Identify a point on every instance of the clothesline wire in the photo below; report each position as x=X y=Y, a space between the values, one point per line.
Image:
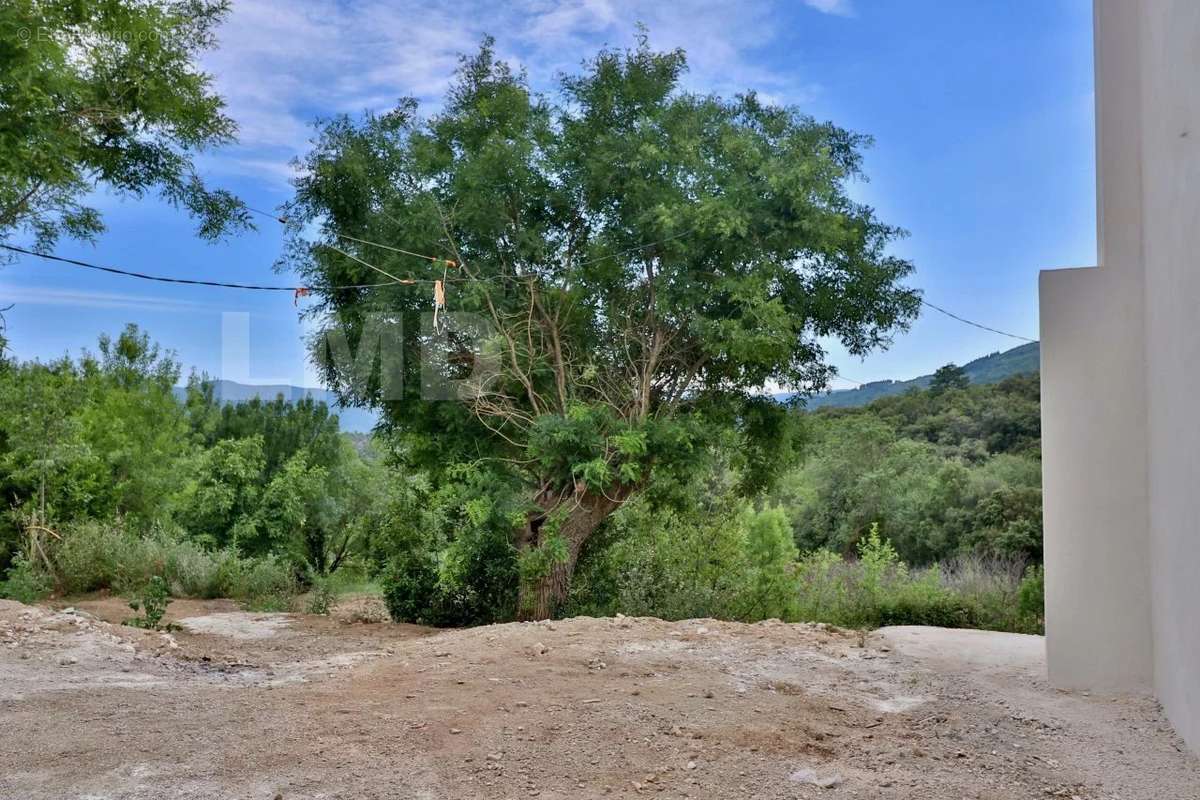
x=188 y=281
x=395 y=280
x=966 y=321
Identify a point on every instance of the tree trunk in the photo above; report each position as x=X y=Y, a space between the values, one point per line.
x=541 y=598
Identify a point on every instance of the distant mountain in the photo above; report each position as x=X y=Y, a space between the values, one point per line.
x=352 y=420
x=989 y=369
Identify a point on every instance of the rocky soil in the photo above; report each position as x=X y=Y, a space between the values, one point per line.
x=240 y=705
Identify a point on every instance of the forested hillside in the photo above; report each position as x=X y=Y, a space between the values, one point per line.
x=350 y=419
x=1022 y=360
x=941 y=472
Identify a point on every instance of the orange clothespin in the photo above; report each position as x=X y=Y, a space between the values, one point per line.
x=302 y=291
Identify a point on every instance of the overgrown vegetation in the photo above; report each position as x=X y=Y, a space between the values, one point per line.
x=636 y=261
x=111 y=482
x=923 y=508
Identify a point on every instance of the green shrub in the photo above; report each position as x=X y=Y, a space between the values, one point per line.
x=924 y=601
x=95 y=556
x=320 y=596
x=769 y=584
x=410 y=589
x=824 y=586
x=666 y=562
x=152 y=601
x=879 y=589
x=1032 y=595
x=229 y=573
x=191 y=570
x=447 y=556
x=989 y=586
x=265 y=584
x=25 y=583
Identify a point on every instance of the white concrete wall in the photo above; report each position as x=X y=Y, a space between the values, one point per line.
x=1121 y=377
x=1171 y=250
x=1098 y=623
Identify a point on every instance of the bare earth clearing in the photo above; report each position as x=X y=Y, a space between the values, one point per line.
x=242 y=705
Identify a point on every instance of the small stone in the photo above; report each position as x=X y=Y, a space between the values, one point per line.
x=691 y=765
x=455 y=731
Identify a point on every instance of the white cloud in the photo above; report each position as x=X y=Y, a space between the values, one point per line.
x=47 y=296
x=281 y=64
x=842 y=8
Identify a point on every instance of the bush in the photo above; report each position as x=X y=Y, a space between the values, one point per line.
x=664 y=562
x=152 y=601
x=26 y=583
x=320 y=597
x=95 y=556
x=447 y=556
x=410 y=590
x=191 y=570
x=924 y=601
x=770 y=587
x=879 y=589
x=720 y=559
x=1032 y=595
x=990 y=585
x=262 y=584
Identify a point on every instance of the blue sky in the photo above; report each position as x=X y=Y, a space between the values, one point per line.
x=982 y=114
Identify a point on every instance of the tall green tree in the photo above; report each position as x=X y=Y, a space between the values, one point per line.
x=645 y=260
x=106 y=95
x=134 y=425
x=314 y=512
x=949 y=377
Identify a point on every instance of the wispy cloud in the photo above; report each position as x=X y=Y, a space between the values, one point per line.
x=281 y=65
x=841 y=8
x=49 y=296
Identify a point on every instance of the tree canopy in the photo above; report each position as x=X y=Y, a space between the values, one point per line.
x=951 y=376
x=106 y=95
x=645 y=259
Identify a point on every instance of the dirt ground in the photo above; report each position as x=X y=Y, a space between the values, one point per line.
x=240 y=705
